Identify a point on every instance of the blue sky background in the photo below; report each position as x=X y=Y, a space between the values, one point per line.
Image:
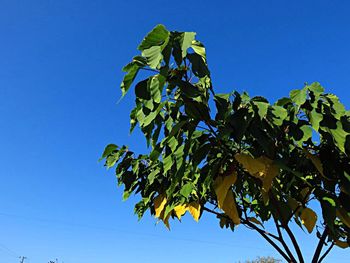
x=60 y=70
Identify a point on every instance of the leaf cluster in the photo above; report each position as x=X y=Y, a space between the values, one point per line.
x=242 y=158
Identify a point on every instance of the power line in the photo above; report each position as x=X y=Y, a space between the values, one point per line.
x=191 y=240
x=8 y=251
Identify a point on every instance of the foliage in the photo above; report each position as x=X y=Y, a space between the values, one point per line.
x=243 y=159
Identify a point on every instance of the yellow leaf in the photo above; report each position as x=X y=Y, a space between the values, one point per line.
x=195 y=210
x=341 y=244
x=252 y=165
x=308 y=219
x=262 y=168
x=230 y=208
x=343 y=216
x=270 y=174
x=221 y=186
x=159 y=204
x=180 y=210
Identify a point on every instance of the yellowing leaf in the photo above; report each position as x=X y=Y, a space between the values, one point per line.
x=270 y=173
x=195 y=210
x=230 y=208
x=343 y=216
x=308 y=219
x=341 y=244
x=180 y=210
x=221 y=186
x=159 y=204
x=252 y=165
x=262 y=168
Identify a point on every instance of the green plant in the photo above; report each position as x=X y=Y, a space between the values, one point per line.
x=242 y=159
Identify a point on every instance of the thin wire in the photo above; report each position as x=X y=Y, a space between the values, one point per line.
x=133 y=233
x=8 y=251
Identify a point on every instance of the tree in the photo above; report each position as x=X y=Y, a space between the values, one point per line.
x=242 y=159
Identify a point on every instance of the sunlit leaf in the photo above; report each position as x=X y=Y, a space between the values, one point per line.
x=195 y=210
x=159 y=204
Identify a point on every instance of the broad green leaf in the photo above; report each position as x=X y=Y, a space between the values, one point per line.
x=154 y=56
x=132 y=70
x=298 y=96
x=199 y=48
x=279 y=113
x=186 y=189
x=315 y=119
x=307 y=132
x=142 y=92
x=108 y=150
x=156 y=86
x=199 y=67
x=339 y=135
x=152 y=176
x=157 y=37
x=262 y=108
x=316 y=88
x=308 y=219
x=187 y=39
x=168 y=162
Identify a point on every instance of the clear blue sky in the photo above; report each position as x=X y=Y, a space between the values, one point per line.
x=60 y=69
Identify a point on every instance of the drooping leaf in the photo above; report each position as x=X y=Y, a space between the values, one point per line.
x=159 y=204
x=180 y=210
x=199 y=48
x=222 y=185
x=187 y=39
x=341 y=244
x=195 y=210
x=156 y=37
x=308 y=219
x=230 y=208
x=153 y=55
x=128 y=79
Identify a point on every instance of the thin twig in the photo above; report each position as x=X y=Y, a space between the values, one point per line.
x=326 y=252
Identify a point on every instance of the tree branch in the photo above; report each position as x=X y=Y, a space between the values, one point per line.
x=320 y=246
x=290 y=254
x=326 y=252
x=289 y=232
x=263 y=233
